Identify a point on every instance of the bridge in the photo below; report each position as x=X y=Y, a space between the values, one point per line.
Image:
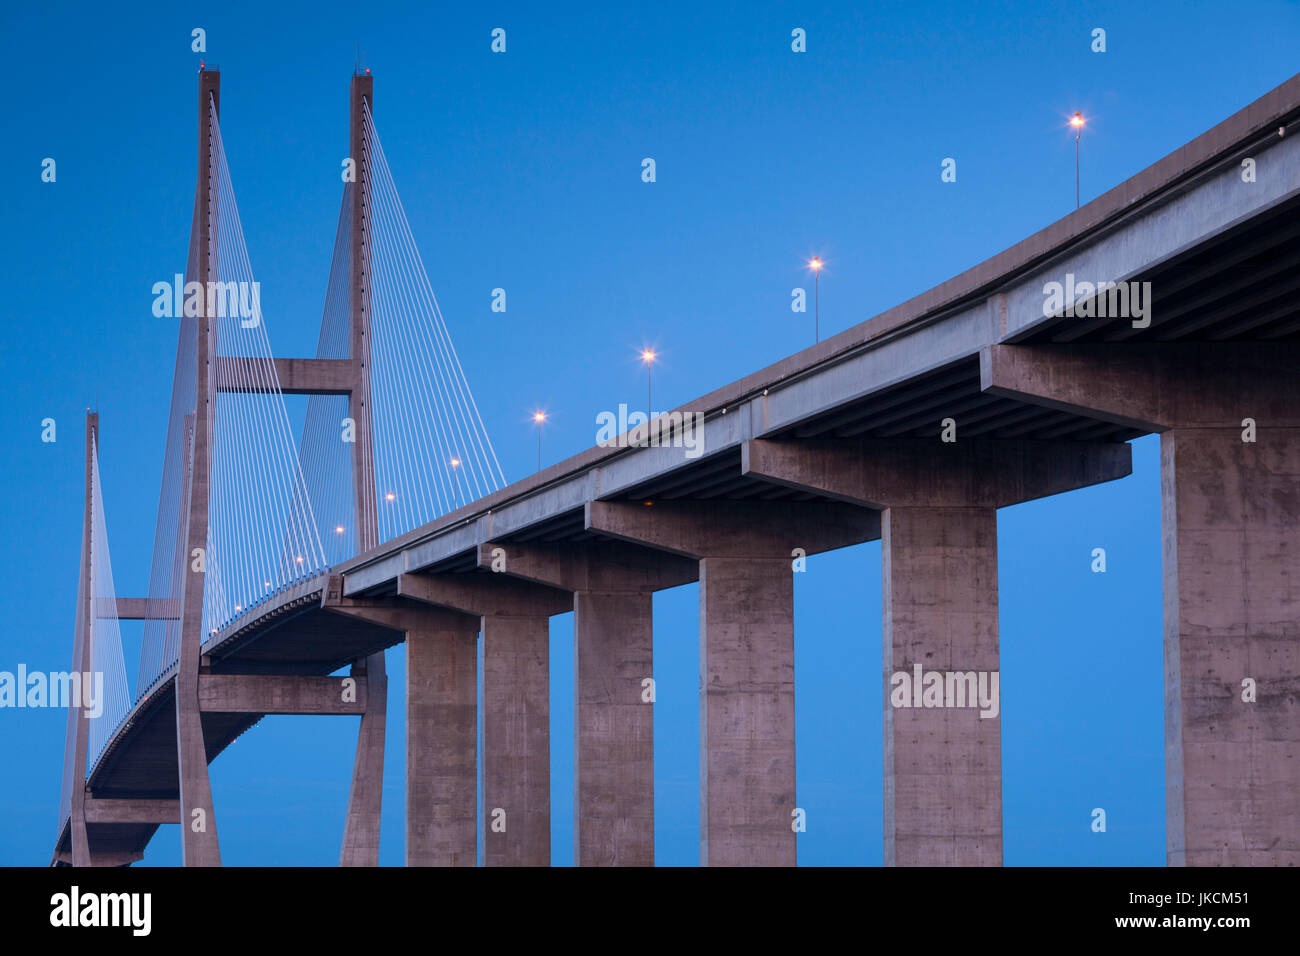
x=1167 y=305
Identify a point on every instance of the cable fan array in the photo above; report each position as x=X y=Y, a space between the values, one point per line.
x=275 y=519
x=432 y=453
x=262 y=533
x=104 y=690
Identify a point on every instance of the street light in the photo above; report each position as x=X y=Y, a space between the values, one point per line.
x=455 y=491
x=539 y=418
x=648 y=356
x=1077 y=122
x=815 y=264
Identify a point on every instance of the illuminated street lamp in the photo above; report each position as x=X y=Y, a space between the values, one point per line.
x=1077 y=122
x=455 y=493
x=539 y=418
x=648 y=356
x=815 y=264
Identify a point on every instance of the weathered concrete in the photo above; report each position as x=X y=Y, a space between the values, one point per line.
x=441 y=742
x=365 y=798
x=943 y=765
x=613 y=777
x=199 y=844
x=516 y=741
x=288 y=376
x=613 y=586
x=516 y=704
x=361 y=99
x=747 y=746
x=137 y=810
x=283 y=694
x=943 y=773
x=1231 y=513
x=361 y=826
x=1231 y=542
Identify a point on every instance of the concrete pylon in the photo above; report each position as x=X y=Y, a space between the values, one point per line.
x=199 y=844
x=942 y=757
x=83 y=662
x=365 y=796
x=1229 y=421
x=613 y=586
x=516 y=768
x=745 y=552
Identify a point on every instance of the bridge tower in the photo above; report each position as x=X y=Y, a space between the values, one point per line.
x=78 y=724
x=199 y=846
x=361 y=829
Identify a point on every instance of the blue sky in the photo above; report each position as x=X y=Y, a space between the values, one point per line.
x=522 y=171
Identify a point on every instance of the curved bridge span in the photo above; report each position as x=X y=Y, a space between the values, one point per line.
x=1165 y=306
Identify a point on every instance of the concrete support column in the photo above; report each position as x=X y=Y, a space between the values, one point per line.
x=516 y=771
x=1229 y=418
x=943 y=766
x=366 y=795
x=942 y=750
x=613 y=585
x=1232 y=615
x=613 y=653
x=516 y=741
x=442 y=744
x=744 y=552
x=747 y=743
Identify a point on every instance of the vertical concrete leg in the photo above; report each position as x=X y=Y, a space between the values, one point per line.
x=516 y=741
x=747 y=789
x=943 y=765
x=199 y=843
x=1231 y=512
x=365 y=799
x=614 y=814
x=441 y=746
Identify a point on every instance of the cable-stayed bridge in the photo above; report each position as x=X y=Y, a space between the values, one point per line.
x=1166 y=305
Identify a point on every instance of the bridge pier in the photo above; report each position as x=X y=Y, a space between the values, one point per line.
x=366 y=795
x=943 y=763
x=747 y=744
x=516 y=705
x=613 y=586
x=1229 y=421
x=442 y=740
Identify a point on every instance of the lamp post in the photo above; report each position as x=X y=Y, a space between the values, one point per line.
x=455 y=491
x=1077 y=122
x=815 y=264
x=648 y=356
x=539 y=418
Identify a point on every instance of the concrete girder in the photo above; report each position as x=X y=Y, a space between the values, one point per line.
x=1154 y=387
x=699 y=529
x=924 y=472
x=283 y=694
